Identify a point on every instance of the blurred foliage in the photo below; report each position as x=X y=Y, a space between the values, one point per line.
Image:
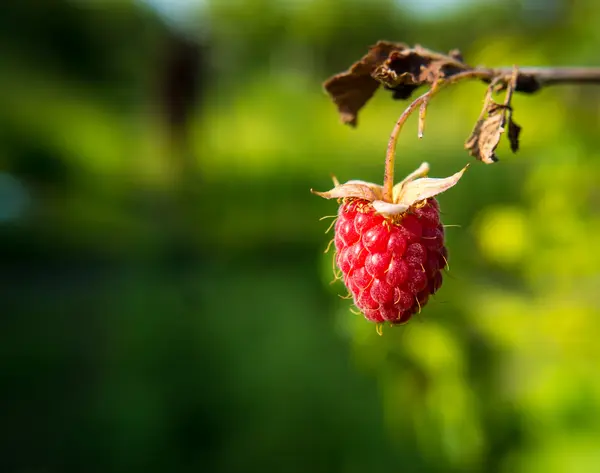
x=166 y=303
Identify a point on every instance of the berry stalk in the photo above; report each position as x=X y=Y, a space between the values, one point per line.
x=423 y=100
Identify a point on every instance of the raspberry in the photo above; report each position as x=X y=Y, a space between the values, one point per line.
x=391 y=252
x=390 y=266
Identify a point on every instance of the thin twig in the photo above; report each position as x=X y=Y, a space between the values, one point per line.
x=555 y=75
x=541 y=76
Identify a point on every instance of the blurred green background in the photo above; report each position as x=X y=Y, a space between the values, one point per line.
x=165 y=303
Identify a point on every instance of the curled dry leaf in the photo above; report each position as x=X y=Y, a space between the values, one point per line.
x=401 y=72
x=514 y=131
x=395 y=66
x=406 y=70
x=350 y=90
x=485 y=137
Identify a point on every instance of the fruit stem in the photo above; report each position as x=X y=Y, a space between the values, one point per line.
x=388 y=177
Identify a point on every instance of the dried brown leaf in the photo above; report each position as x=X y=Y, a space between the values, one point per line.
x=484 y=138
x=401 y=68
x=514 y=131
x=404 y=71
x=351 y=90
x=395 y=66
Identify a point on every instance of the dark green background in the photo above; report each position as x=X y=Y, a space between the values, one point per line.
x=165 y=303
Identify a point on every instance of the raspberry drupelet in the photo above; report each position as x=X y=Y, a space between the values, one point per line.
x=391 y=254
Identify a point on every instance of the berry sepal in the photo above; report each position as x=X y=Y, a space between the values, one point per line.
x=414 y=188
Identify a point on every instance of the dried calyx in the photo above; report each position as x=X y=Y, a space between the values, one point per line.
x=407 y=193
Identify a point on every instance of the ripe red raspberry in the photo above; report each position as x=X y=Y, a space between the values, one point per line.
x=391 y=253
x=390 y=265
